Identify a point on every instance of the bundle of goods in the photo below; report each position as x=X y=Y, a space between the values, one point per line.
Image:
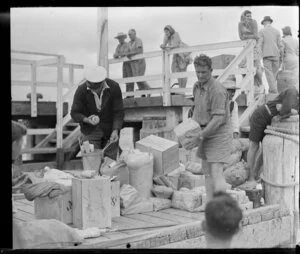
x=190 y=181
x=162 y=191
x=174 y=176
x=132 y=202
x=189 y=200
x=241 y=198
x=188 y=155
x=160 y=203
x=194 y=167
x=236 y=174
x=187 y=130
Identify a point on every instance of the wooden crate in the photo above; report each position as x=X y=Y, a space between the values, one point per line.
x=165 y=153
x=91 y=200
x=59 y=208
x=115 y=199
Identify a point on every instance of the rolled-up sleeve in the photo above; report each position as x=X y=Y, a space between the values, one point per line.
x=77 y=110
x=218 y=101
x=118 y=109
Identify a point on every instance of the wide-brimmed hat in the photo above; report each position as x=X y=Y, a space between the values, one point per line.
x=230 y=84
x=119 y=35
x=95 y=74
x=267 y=18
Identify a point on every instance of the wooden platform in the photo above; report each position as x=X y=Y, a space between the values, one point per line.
x=264 y=227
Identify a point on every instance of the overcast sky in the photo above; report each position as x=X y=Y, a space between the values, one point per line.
x=73 y=32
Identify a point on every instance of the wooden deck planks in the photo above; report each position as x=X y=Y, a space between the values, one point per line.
x=170 y=217
x=186 y=214
x=147 y=218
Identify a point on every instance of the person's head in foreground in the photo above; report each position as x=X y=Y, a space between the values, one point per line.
x=203 y=67
x=18 y=132
x=222 y=220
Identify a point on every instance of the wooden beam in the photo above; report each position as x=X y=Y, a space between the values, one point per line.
x=166 y=80
x=136 y=57
x=139 y=78
x=140 y=92
x=21 y=61
x=32 y=53
x=59 y=105
x=44 y=150
x=33 y=91
x=39 y=131
x=44 y=108
x=211 y=46
x=73 y=137
x=40 y=83
x=103 y=37
x=49 y=61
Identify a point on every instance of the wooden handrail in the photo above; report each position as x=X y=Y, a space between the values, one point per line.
x=136 y=57
x=33 y=53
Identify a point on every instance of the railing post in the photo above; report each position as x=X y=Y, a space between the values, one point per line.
x=59 y=103
x=167 y=80
x=71 y=75
x=250 y=71
x=33 y=100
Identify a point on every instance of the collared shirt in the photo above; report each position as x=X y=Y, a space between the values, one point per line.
x=210 y=99
x=99 y=95
x=270 y=42
x=291 y=48
x=122 y=49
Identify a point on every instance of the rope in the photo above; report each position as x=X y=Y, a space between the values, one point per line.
x=285 y=185
x=283 y=130
x=283 y=135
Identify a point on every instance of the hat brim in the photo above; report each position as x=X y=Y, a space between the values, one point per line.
x=121 y=36
x=271 y=20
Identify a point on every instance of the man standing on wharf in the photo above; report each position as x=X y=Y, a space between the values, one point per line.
x=272 y=51
x=98 y=107
x=212 y=113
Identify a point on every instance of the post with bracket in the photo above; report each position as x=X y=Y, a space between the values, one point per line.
x=166 y=79
x=59 y=113
x=33 y=100
x=251 y=72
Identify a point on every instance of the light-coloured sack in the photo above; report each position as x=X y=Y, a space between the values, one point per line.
x=161 y=191
x=236 y=174
x=233 y=159
x=189 y=200
x=188 y=127
x=194 y=167
x=160 y=203
x=128 y=196
x=144 y=206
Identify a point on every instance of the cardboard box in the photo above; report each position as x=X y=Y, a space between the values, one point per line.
x=59 y=208
x=115 y=199
x=165 y=153
x=91 y=200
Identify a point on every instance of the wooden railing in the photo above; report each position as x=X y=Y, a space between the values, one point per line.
x=55 y=61
x=166 y=76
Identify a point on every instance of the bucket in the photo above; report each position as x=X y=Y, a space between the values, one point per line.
x=92 y=161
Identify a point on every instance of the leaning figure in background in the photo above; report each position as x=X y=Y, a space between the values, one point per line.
x=138 y=67
x=290 y=54
x=284 y=105
x=233 y=107
x=98 y=108
x=121 y=51
x=180 y=61
x=248 y=30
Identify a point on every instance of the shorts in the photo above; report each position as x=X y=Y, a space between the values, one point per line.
x=259 y=121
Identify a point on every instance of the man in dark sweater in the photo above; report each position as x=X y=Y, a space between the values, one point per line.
x=98 y=107
x=284 y=105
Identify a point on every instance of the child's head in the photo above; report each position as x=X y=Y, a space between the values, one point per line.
x=18 y=132
x=222 y=217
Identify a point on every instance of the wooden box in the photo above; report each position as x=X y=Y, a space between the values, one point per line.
x=165 y=153
x=115 y=199
x=59 y=208
x=91 y=200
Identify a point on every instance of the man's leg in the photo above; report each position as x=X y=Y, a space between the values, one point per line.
x=275 y=67
x=127 y=72
x=269 y=75
x=216 y=171
x=208 y=180
x=251 y=156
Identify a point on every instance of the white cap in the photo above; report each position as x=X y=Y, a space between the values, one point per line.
x=95 y=74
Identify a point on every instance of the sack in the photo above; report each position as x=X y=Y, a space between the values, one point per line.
x=128 y=196
x=188 y=127
x=188 y=200
x=190 y=181
x=174 y=176
x=162 y=191
x=236 y=174
x=160 y=203
x=194 y=167
x=233 y=159
x=115 y=168
x=43 y=234
x=144 y=206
